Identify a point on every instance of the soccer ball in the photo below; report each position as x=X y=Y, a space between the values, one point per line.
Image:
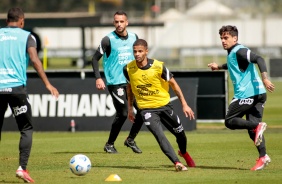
x=80 y=165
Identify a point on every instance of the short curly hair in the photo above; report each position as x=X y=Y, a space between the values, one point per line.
x=232 y=30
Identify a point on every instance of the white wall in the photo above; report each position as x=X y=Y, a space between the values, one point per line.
x=182 y=33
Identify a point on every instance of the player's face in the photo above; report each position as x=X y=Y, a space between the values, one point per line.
x=140 y=53
x=120 y=23
x=227 y=40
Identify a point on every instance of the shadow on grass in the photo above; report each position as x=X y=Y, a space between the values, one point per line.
x=168 y=167
x=211 y=167
x=79 y=152
x=158 y=167
x=130 y=167
x=4 y=181
x=219 y=167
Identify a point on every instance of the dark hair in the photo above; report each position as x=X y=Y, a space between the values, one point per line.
x=120 y=12
x=232 y=30
x=140 y=42
x=14 y=14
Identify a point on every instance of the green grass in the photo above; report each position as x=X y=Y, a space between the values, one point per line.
x=273 y=107
x=221 y=155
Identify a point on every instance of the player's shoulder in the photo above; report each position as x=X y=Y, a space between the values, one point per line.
x=105 y=41
x=131 y=34
x=24 y=31
x=106 y=38
x=157 y=61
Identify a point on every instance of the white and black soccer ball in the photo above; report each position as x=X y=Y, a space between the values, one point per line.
x=80 y=165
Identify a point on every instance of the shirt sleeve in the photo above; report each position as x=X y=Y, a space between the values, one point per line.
x=31 y=41
x=166 y=74
x=254 y=58
x=104 y=47
x=246 y=56
x=224 y=66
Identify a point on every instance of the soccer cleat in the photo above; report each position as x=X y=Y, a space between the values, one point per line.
x=132 y=145
x=23 y=174
x=259 y=132
x=180 y=167
x=189 y=161
x=261 y=163
x=110 y=148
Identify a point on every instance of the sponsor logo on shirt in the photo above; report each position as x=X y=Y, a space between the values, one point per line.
x=247 y=101
x=6 y=90
x=5 y=38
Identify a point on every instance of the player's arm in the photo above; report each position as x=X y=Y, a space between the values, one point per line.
x=168 y=76
x=263 y=70
x=186 y=109
x=37 y=65
x=215 y=66
x=104 y=47
x=130 y=96
x=250 y=57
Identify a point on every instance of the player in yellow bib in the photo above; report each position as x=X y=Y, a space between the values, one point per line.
x=148 y=84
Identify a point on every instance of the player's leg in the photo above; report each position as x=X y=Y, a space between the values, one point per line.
x=172 y=122
x=3 y=108
x=136 y=126
x=236 y=110
x=256 y=114
x=118 y=94
x=153 y=123
x=21 y=109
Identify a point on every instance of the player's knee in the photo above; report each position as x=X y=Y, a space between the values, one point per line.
x=228 y=124
x=122 y=114
x=181 y=135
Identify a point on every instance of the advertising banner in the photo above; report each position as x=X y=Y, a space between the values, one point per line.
x=84 y=107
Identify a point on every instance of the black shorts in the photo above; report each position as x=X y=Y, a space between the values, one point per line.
x=119 y=96
x=18 y=101
x=251 y=107
x=165 y=115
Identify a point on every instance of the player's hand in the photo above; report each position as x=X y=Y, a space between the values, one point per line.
x=53 y=91
x=188 y=112
x=131 y=115
x=100 y=85
x=213 y=66
x=268 y=85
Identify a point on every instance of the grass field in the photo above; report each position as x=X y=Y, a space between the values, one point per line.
x=222 y=156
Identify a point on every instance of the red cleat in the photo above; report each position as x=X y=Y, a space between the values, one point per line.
x=261 y=163
x=259 y=132
x=190 y=162
x=23 y=174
